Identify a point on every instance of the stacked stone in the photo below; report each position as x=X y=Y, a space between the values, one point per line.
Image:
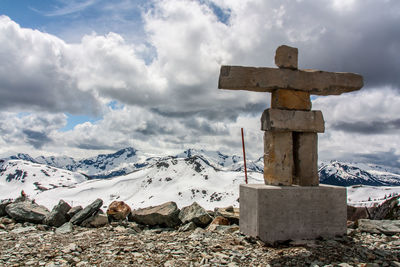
x=290 y=138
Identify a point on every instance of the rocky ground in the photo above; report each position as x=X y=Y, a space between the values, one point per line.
x=129 y=244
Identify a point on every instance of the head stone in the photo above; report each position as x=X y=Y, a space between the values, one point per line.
x=286 y=57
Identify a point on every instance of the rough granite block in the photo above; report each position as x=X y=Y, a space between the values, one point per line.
x=290 y=99
x=305 y=157
x=278 y=158
x=280 y=213
x=274 y=119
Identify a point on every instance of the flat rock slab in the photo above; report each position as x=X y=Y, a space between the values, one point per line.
x=87 y=212
x=387 y=227
x=27 y=211
x=315 y=82
x=292 y=120
x=290 y=99
x=163 y=215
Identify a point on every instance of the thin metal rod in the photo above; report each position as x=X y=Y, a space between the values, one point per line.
x=244 y=158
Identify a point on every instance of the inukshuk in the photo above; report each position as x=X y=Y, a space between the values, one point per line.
x=291 y=127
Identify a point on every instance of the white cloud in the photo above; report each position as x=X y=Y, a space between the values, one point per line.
x=167 y=81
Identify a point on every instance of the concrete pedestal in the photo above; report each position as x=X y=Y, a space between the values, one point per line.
x=279 y=213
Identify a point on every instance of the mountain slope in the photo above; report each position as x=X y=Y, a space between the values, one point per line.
x=182 y=180
x=33 y=178
x=347 y=174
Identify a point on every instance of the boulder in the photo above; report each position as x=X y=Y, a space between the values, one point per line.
x=87 y=212
x=3 y=204
x=65 y=228
x=118 y=211
x=388 y=210
x=27 y=211
x=98 y=220
x=162 y=215
x=195 y=213
x=387 y=227
x=73 y=211
x=58 y=215
x=356 y=213
x=230 y=213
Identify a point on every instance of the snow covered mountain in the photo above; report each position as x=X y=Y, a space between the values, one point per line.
x=348 y=174
x=129 y=159
x=182 y=180
x=210 y=178
x=33 y=178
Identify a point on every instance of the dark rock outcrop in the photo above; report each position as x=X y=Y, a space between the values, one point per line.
x=73 y=211
x=162 y=215
x=87 y=212
x=27 y=211
x=356 y=213
x=3 y=204
x=58 y=215
x=388 y=210
x=195 y=213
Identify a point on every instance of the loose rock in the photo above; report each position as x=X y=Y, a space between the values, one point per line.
x=86 y=212
x=163 y=215
x=58 y=216
x=27 y=211
x=118 y=210
x=195 y=213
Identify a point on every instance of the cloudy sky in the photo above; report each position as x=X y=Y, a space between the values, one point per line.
x=83 y=77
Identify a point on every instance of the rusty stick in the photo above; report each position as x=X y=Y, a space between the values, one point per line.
x=244 y=157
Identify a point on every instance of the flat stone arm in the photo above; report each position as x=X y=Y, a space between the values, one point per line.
x=268 y=79
x=292 y=120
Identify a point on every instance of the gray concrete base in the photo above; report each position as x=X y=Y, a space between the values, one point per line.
x=279 y=213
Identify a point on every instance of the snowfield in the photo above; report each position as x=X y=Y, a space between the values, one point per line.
x=210 y=178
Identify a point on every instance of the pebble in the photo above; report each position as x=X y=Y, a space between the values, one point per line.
x=115 y=245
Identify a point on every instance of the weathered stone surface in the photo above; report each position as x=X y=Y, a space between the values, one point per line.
x=388 y=210
x=230 y=213
x=356 y=213
x=286 y=57
x=305 y=157
x=3 y=204
x=219 y=220
x=118 y=210
x=65 y=228
x=387 y=227
x=195 y=213
x=27 y=211
x=163 y=215
x=274 y=119
x=58 y=216
x=278 y=158
x=290 y=99
x=73 y=211
x=268 y=79
x=187 y=227
x=97 y=220
x=87 y=212
x=278 y=213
